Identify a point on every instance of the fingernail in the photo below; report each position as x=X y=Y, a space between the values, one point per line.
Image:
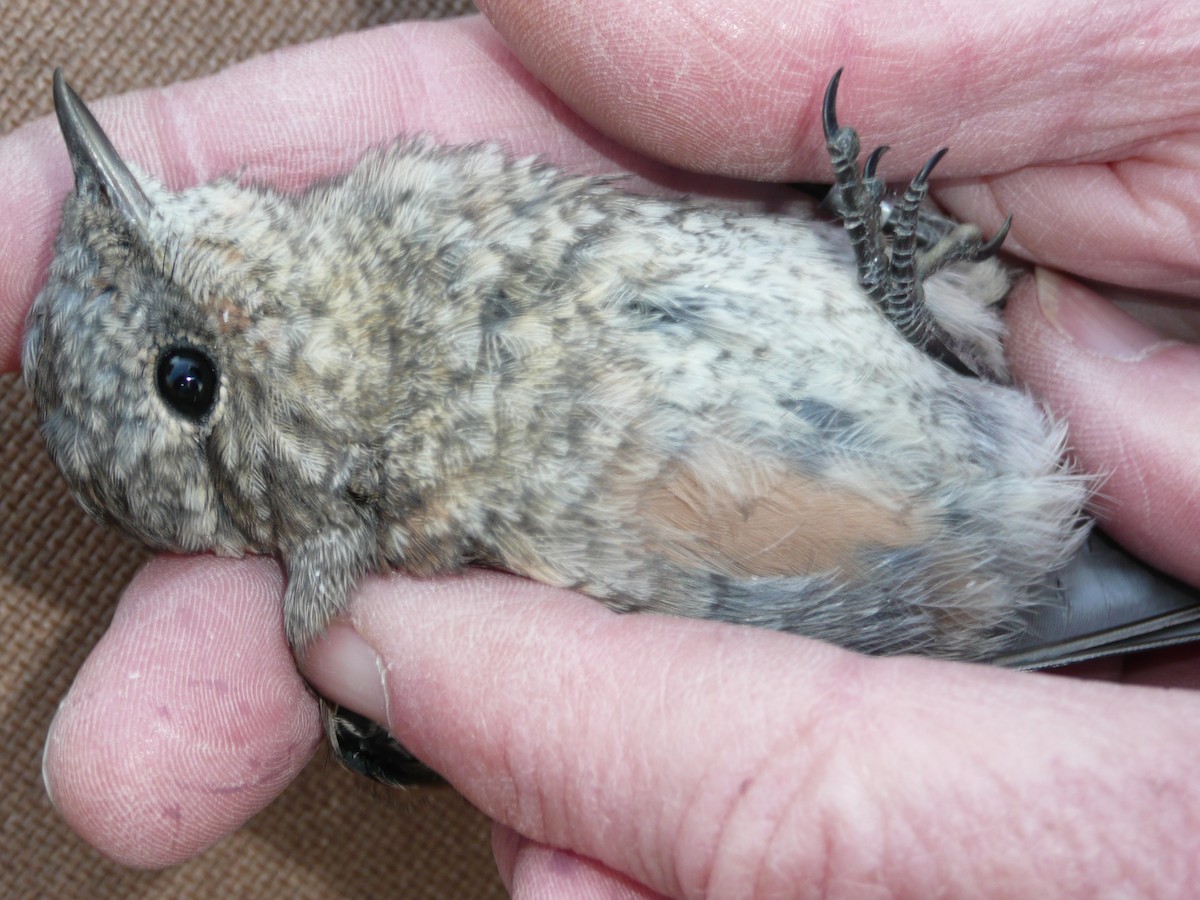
x=346 y=669
x=47 y=782
x=1092 y=322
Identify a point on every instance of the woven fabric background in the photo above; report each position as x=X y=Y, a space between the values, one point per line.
x=60 y=574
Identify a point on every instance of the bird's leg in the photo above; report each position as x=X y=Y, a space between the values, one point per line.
x=921 y=242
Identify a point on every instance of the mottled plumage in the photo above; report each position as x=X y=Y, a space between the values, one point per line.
x=451 y=356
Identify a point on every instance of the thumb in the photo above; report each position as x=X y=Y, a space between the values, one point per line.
x=532 y=870
x=699 y=758
x=1130 y=398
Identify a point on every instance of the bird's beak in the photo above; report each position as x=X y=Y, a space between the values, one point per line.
x=96 y=164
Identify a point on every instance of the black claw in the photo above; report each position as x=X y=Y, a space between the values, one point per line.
x=927 y=169
x=365 y=747
x=873 y=161
x=829 y=107
x=989 y=248
x=922 y=242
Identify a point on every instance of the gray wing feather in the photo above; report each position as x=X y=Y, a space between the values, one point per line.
x=1111 y=603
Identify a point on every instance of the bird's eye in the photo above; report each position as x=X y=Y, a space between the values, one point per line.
x=187 y=380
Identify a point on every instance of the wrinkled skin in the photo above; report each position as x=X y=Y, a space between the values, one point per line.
x=604 y=765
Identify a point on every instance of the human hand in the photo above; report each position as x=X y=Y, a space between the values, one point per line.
x=114 y=773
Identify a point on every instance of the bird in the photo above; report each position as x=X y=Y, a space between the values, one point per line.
x=449 y=356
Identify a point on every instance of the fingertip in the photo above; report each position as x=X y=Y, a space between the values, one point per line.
x=386 y=657
x=1090 y=322
x=187 y=718
x=347 y=670
x=1129 y=397
x=532 y=870
x=505 y=845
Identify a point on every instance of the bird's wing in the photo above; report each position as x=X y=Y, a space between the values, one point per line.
x=1111 y=603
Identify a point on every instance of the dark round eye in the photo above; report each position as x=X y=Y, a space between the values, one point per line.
x=187 y=380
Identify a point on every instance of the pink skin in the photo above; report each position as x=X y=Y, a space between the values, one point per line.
x=634 y=756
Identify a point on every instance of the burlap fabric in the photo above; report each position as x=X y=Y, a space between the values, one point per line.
x=60 y=574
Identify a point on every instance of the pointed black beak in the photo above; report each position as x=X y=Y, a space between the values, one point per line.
x=93 y=157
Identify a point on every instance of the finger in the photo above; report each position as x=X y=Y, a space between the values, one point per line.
x=1063 y=114
x=735 y=88
x=531 y=870
x=1127 y=221
x=1130 y=399
x=697 y=758
x=188 y=717
x=289 y=117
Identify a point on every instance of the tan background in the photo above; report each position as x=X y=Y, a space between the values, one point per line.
x=60 y=574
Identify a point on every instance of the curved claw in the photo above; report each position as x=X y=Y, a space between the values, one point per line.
x=927 y=169
x=872 y=162
x=829 y=106
x=989 y=247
